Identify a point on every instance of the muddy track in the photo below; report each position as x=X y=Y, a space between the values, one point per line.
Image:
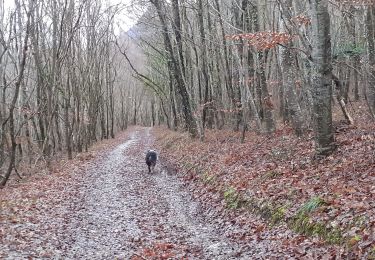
x=117 y=210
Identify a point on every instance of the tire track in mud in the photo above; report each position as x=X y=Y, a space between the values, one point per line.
x=122 y=210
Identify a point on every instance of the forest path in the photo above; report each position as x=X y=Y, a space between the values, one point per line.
x=117 y=210
x=126 y=212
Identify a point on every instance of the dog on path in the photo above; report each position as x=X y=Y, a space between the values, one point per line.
x=151 y=158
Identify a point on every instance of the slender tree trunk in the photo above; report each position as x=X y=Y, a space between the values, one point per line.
x=289 y=68
x=186 y=106
x=370 y=24
x=67 y=130
x=228 y=72
x=203 y=56
x=12 y=130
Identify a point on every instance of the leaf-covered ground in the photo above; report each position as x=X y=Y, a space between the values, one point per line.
x=267 y=198
x=271 y=188
x=105 y=205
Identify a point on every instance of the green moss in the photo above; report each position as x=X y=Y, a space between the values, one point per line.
x=270 y=213
x=303 y=224
x=371 y=255
x=208 y=178
x=300 y=223
x=357 y=238
x=311 y=205
x=278 y=215
x=359 y=222
x=231 y=198
x=187 y=165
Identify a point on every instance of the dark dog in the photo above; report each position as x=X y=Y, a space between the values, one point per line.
x=151 y=158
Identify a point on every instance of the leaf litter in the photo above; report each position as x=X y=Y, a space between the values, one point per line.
x=305 y=207
x=108 y=207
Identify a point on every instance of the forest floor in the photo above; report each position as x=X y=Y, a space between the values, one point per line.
x=271 y=189
x=105 y=205
x=267 y=198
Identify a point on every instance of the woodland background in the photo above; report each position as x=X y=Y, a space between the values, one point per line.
x=279 y=93
x=66 y=80
x=70 y=77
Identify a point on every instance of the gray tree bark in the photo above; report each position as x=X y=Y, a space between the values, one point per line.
x=322 y=77
x=181 y=86
x=370 y=25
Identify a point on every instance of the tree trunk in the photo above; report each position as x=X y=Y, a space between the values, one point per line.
x=322 y=77
x=370 y=24
x=289 y=76
x=186 y=106
x=12 y=130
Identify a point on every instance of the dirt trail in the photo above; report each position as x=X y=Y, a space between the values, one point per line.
x=119 y=211
x=124 y=209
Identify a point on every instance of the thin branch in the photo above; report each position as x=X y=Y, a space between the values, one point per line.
x=139 y=75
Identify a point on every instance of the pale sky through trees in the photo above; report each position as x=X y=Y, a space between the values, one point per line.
x=129 y=14
x=126 y=18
